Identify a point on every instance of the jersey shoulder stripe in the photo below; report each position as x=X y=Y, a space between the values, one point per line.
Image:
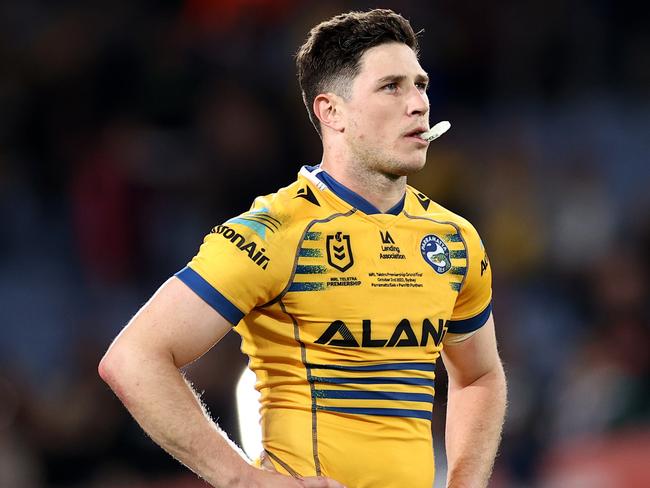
x=249 y=260
x=474 y=302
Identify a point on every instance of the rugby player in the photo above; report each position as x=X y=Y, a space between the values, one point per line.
x=346 y=287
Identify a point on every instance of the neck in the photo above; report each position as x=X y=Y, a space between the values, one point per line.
x=384 y=191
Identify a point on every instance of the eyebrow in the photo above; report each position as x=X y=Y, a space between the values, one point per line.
x=399 y=78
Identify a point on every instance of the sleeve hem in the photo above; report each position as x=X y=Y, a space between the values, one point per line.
x=471 y=324
x=210 y=295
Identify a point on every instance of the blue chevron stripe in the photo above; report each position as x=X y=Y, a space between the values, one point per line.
x=373 y=381
x=306 y=252
x=386 y=412
x=377 y=367
x=310 y=269
x=373 y=395
x=307 y=286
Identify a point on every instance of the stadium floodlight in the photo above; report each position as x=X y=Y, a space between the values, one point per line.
x=248 y=414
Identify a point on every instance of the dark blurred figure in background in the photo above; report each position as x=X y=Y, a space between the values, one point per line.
x=114 y=162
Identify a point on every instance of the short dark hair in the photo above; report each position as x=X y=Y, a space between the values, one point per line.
x=329 y=59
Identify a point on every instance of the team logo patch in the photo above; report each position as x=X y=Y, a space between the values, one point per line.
x=339 y=251
x=436 y=253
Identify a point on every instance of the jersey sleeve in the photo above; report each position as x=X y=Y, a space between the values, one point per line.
x=474 y=302
x=239 y=266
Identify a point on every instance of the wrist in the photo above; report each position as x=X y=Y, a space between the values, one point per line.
x=244 y=477
x=237 y=474
x=465 y=480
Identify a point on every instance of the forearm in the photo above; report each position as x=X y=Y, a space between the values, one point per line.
x=156 y=394
x=475 y=415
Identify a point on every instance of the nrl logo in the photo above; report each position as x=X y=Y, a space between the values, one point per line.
x=436 y=253
x=339 y=251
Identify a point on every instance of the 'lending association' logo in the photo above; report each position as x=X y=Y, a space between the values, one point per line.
x=436 y=253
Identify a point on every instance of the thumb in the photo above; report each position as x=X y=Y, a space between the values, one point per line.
x=265 y=462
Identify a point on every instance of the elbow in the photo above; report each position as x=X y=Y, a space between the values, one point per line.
x=113 y=367
x=116 y=369
x=495 y=378
x=126 y=363
x=107 y=368
x=499 y=385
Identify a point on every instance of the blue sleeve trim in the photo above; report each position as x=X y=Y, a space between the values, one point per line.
x=207 y=292
x=470 y=325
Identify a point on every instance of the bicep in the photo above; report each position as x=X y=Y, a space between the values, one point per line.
x=175 y=322
x=473 y=358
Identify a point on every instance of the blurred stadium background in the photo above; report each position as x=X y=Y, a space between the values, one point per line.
x=129 y=129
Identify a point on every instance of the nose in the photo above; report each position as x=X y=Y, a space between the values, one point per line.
x=418 y=102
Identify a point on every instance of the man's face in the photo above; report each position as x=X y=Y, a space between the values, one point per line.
x=387 y=107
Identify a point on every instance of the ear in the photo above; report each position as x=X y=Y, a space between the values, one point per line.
x=329 y=109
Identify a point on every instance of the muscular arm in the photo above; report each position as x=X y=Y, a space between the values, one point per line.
x=476 y=408
x=172 y=329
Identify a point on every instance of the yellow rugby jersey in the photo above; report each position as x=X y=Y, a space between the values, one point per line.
x=343 y=312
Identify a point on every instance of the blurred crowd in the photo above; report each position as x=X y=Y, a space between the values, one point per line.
x=129 y=129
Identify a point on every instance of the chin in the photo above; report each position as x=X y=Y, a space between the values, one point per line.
x=404 y=168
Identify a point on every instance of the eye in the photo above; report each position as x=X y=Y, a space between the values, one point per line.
x=391 y=87
x=422 y=86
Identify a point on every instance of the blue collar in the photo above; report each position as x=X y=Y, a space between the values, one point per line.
x=353 y=198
